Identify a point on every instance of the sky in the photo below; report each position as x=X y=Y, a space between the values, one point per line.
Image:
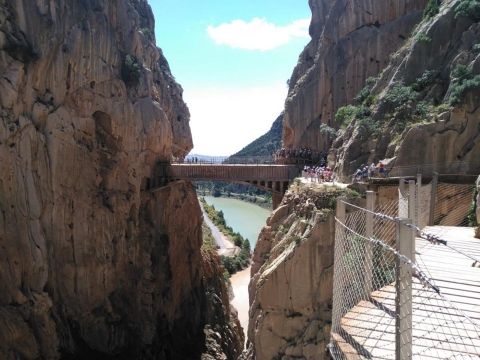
x=233 y=60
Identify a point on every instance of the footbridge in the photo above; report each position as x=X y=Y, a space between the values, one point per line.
x=270 y=177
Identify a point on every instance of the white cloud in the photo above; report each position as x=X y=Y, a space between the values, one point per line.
x=223 y=121
x=259 y=34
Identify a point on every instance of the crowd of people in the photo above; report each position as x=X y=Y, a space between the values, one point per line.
x=371 y=171
x=301 y=155
x=318 y=174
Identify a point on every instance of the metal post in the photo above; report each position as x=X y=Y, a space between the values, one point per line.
x=411 y=212
x=368 y=245
x=401 y=185
x=403 y=298
x=338 y=297
x=433 y=199
x=419 y=202
x=411 y=200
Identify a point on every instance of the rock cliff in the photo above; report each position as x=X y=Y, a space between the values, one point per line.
x=351 y=41
x=92 y=265
x=423 y=107
x=292 y=279
x=394 y=81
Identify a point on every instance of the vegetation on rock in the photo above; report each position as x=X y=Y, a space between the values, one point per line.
x=131 y=71
x=463 y=81
x=468 y=8
x=327 y=130
x=432 y=8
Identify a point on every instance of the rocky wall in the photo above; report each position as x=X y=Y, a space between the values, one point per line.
x=445 y=132
x=292 y=282
x=351 y=41
x=93 y=265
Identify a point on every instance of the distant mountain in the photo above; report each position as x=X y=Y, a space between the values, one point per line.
x=266 y=144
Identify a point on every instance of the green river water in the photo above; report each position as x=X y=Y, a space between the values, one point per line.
x=244 y=218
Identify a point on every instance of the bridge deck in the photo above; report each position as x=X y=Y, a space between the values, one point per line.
x=229 y=172
x=438 y=331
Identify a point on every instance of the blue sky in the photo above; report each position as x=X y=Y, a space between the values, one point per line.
x=233 y=59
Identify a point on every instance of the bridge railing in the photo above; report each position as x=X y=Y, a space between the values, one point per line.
x=229 y=160
x=250 y=160
x=228 y=172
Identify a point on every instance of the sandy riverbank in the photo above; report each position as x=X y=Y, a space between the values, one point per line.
x=240 y=282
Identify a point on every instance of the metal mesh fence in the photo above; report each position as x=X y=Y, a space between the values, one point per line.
x=360 y=268
x=423 y=210
x=384 y=229
x=452 y=204
x=387 y=307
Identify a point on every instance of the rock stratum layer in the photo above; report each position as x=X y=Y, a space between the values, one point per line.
x=92 y=265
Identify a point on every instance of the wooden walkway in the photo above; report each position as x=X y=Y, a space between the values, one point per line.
x=439 y=330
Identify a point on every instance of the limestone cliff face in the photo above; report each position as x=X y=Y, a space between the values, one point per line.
x=417 y=112
x=439 y=123
x=92 y=265
x=292 y=280
x=351 y=41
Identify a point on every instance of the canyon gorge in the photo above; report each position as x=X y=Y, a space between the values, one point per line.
x=95 y=266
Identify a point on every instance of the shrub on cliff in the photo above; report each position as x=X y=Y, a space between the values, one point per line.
x=463 y=81
x=400 y=95
x=468 y=8
x=367 y=127
x=362 y=95
x=432 y=8
x=131 y=71
x=423 y=81
x=345 y=114
x=327 y=130
x=423 y=38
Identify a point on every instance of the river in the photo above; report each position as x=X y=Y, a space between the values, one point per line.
x=246 y=219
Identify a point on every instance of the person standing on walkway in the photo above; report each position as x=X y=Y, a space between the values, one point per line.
x=371 y=170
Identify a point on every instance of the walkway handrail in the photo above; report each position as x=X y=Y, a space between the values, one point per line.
x=457 y=167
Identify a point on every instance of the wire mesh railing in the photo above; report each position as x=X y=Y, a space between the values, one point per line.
x=386 y=301
x=452 y=204
x=423 y=205
x=383 y=228
x=453 y=168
